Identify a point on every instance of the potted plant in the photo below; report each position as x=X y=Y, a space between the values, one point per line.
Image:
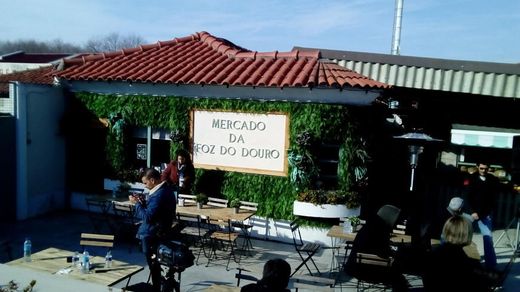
x=355 y=222
x=123 y=190
x=235 y=204
x=201 y=199
x=12 y=286
x=327 y=204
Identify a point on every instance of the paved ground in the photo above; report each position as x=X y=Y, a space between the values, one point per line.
x=62 y=230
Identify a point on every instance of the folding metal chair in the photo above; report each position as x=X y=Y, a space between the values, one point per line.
x=246 y=226
x=240 y=276
x=305 y=250
x=93 y=239
x=98 y=212
x=312 y=283
x=192 y=232
x=127 y=224
x=217 y=202
x=222 y=238
x=187 y=199
x=373 y=280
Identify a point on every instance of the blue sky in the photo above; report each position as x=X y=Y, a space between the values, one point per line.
x=479 y=30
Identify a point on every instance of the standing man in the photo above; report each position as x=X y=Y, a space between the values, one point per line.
x=482 y=191
x=157 y=214
x=180 y=173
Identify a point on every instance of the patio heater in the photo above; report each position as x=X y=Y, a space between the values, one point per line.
x=416 y=142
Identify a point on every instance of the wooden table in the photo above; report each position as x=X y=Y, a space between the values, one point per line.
x=214 y=212
x=336 y=232
x=221 y=288
x=53 y=260
x=46 y=281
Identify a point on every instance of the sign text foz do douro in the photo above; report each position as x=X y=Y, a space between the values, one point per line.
x=236 y=141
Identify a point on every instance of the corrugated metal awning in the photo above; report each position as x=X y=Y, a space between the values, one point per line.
x=469 y=135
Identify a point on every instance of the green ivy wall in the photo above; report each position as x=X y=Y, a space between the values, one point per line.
x=274 y=194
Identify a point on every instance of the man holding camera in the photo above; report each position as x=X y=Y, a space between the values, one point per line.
x=157 y=215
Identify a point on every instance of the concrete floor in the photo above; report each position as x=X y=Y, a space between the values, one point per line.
x=62 y=230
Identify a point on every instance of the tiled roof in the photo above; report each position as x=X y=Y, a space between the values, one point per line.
x=204 y=59
x=482 y=78
x=34 y=76
x=22 y=57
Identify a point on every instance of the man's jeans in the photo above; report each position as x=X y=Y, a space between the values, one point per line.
x=485 y=226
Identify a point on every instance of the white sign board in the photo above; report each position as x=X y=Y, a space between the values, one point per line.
x=245 y=142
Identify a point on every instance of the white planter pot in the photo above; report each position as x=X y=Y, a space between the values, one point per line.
x=323 y=211
x=110 y=184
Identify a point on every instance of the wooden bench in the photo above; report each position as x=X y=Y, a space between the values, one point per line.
x=313 y=283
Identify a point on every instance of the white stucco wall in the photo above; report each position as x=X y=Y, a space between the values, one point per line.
x=40 y=150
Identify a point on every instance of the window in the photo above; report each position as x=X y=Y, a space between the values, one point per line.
x=138 y=148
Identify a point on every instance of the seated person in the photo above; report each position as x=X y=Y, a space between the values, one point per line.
x=374 y=238
x=275 y=277
x=448 y=266
x=454 y=208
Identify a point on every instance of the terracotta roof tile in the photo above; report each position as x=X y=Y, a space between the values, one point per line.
x=34 y=76
x=22 y=57
x=205 y=59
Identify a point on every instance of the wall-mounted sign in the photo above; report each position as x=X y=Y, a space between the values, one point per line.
x=244 y=142
x=141 y=151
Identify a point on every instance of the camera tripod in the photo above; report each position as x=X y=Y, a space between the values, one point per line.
x=514 y=244
x=169 y=284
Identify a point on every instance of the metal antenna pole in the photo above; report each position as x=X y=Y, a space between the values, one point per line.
x=398 y=18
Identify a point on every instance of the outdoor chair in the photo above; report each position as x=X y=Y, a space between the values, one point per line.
x=240 y=276
x=305 y=250
x=346 y=245
x=389 y=214
x=127 y=224
x=190 y=199
x=96 y=240
x=192 y=232
x=313 y=283
x=246 y=226
x=367 y=278
x=98 y=212
x=102 y=241
x=217 y=202
x=222 y=237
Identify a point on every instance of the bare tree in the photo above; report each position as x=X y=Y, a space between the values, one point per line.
x=113 y=42
x=34 y=46
x=110 y=42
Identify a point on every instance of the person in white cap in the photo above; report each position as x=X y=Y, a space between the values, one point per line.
x=454 y=208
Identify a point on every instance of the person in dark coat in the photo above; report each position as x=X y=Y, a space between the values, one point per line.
x=374 y=238
x=180 y=173
x=157 y=215
x=448 y=267
x=483 y=190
